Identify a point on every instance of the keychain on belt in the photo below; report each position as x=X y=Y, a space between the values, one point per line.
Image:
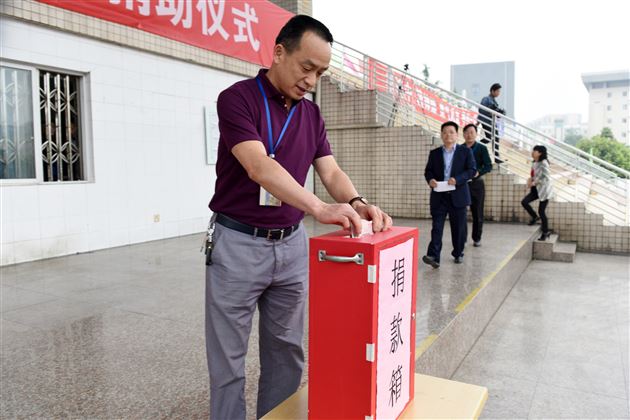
x=208 y=243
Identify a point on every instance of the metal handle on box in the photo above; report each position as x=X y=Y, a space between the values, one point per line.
x=357 y=259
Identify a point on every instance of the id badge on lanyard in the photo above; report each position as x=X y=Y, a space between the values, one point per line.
x=266 y=198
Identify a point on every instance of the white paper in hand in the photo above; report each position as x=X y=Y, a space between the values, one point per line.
x=442 y=186
x=366 y=229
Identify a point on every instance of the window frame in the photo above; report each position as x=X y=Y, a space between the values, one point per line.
x=37 y=135
x=85 y=126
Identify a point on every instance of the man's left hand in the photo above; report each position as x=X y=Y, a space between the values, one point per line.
x=452 y=181
x=380 y=220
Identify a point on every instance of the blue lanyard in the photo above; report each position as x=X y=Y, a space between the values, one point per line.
x=273 y=147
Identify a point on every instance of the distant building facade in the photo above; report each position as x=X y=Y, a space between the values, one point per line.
x=473 y=81
x=609 y=103
x=559 y=126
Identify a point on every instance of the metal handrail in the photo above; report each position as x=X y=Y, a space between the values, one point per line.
x=473 y=104
x=405 y=99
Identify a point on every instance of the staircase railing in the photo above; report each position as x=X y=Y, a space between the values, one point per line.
x=404 y=99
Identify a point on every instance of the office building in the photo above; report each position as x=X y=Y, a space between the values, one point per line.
x=609 y=103
x=473 y=81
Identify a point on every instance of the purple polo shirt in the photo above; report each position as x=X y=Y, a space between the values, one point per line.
x=242 y=117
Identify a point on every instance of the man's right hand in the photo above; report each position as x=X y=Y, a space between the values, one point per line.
x=433 y=183
x=338 y=214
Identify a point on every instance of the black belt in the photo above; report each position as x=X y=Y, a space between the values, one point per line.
x=269 y=234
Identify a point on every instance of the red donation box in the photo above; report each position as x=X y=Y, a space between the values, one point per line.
x=362 y=324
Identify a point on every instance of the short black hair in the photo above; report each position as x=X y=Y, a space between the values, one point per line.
x=292 y=31
x=494 y=87
x=450 y=124
x=467 y=126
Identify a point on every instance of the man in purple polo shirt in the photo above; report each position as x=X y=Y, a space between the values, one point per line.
x=270 y=136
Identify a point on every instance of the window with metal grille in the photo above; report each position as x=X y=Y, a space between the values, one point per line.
x=61 y=135
x=40 y=125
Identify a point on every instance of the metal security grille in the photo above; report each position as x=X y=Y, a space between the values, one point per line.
x=62 y=154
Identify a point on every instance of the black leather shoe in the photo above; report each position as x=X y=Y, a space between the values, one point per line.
x=533 y=221
x=431 y=261
x=544 y=236
x=459 y=260
x=477 y=244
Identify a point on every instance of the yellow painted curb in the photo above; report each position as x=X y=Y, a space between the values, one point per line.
x=487 y=279
x=425 y=344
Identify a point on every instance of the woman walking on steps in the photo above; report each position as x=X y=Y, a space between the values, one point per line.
x=540 y=189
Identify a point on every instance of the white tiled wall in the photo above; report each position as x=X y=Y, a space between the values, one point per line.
x=148 y=149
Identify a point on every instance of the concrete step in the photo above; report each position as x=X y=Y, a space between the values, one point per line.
x=554 y=250
x=564 y=251
x=450 y=328
x=543 y=250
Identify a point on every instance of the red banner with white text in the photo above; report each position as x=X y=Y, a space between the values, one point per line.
x=242 y=29
x=411 y=92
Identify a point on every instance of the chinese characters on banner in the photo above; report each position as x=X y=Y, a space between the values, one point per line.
x=393 y=368
x=240 y=29
x=385 y=79
x=416 y=95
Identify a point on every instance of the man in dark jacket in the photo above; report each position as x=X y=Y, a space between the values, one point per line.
x=476 y=185
x=486 y=119
x=447 y=172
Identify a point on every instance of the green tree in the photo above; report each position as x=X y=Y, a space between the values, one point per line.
x=572 y=136
x=607 y=133
x=426 y=73
x=607 y=148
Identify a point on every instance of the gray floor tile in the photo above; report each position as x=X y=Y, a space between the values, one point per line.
x=68 y=286
x=54 y=314
x=574 y=348
x=14 y=298
x=12 y=332
x=560 y=330
x=596 y=327
x=527 y=317
x=597 y=376
x=122 y=336
x=508 y=398
x=555 y=402
x=168 y=305
x=514 y=359
x=115 y=306
x=113 y=365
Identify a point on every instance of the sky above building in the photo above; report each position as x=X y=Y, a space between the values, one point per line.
x=552 y=42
